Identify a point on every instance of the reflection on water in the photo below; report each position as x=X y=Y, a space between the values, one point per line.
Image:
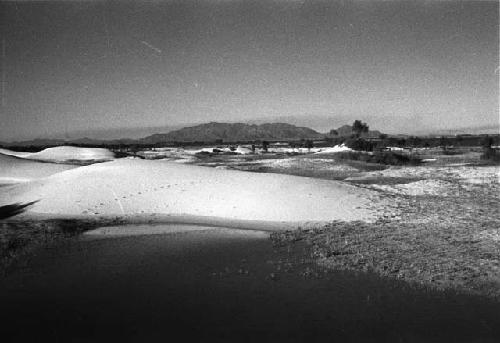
x=212 y=285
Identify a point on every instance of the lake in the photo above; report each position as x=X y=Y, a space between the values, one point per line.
x=214 y=284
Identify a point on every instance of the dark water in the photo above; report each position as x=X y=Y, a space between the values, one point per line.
x=195 y=287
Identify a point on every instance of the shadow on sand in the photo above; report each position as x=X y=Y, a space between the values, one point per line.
x=12 y=210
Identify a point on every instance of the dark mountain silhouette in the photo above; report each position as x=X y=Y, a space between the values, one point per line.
x=208 y=132
x=232 y=132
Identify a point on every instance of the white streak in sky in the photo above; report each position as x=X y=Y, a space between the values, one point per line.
x=3 y=72
x=151 y=47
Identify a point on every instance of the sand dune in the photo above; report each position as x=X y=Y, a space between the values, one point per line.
x=142 y=187
x=14 y=169
x=14 y=153
x=336 y=148
x=64 y=153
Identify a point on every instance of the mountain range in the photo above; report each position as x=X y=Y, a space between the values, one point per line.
x=234 y=132
x=213 y=131
x=209 y=132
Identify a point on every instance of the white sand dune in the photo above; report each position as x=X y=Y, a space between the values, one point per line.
x=14 y=169
x=64 y=154
x=129 y=187
x=20 y=154
x=336 y=148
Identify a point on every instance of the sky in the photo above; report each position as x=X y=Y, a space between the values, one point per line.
x=90 y=68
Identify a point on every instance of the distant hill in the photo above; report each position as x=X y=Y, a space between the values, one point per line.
x=346 y=131
x=233 y=132
x=493 y=129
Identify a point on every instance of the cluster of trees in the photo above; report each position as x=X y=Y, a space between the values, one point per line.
x=358 y=128
x=357 y=140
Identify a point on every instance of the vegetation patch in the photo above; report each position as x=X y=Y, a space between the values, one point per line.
x=446 y=242
x=491 y=155
x=20 y=237
x=388 y=158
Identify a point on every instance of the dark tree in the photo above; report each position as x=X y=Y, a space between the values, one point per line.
x=487 y=142
x=443 y=142
x=265 y=145
x=358 y=128
x=309 y=144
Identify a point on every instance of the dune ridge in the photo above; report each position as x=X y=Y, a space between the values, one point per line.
x=15 y=169
x=64 y=154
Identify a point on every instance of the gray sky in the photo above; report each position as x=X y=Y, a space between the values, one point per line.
x=402 y=66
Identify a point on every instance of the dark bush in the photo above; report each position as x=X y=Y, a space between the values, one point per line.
x=389 y=158
x=360 y=144
x=491 y=154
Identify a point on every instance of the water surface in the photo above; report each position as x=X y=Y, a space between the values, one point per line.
x=221 y=285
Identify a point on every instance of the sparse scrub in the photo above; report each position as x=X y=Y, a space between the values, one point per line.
x=442 y=241
x=18 y=238
x=491 y=155
x=387 y=158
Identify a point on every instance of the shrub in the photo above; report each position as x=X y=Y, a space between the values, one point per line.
x=389 y=158
x=490 y=154
x=359 y=144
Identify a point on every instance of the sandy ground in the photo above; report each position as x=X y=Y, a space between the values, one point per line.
x=131 y=187
x=430 y=180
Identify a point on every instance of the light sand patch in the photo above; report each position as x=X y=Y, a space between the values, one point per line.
x=489 y=235
x=465 y=173
x=335 y=149
x=421 y=187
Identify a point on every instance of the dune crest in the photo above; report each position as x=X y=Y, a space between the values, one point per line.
x=16 y=169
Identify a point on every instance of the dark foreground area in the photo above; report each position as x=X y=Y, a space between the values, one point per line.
x=221 y=286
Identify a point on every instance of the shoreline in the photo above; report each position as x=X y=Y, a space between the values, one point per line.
x=22 y=234
x=159 y=219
